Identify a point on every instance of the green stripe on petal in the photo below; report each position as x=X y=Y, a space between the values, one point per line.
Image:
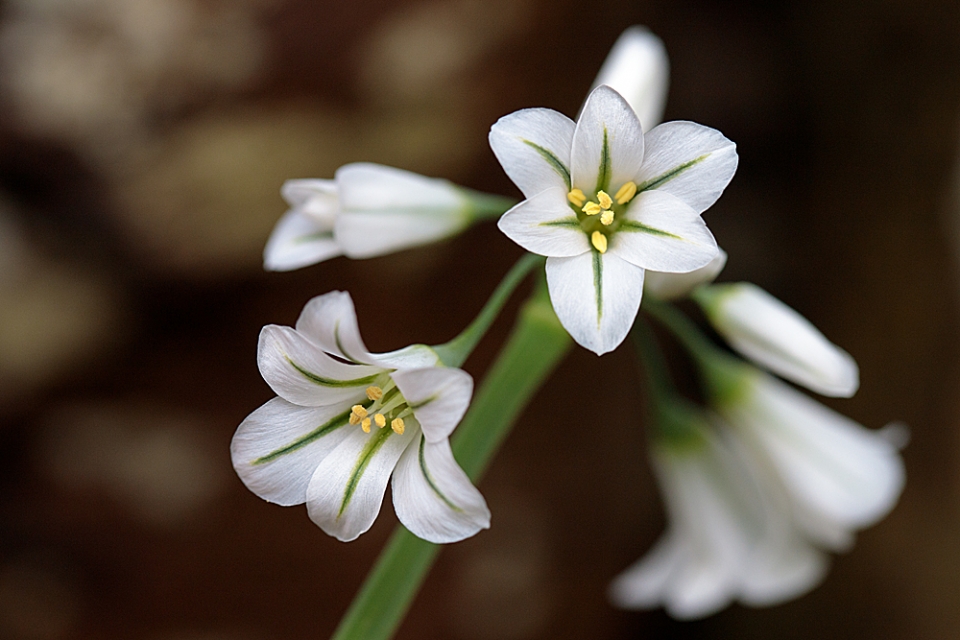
x=603 y=172
x=653 y=183
x=326 y=428
x=311 y=237
x=330 y=382
x=552 y=159
x=637 y=227
x=369 y=450
x=430 y=481
x=563 y=222
x=598 y=283
x=422 y=403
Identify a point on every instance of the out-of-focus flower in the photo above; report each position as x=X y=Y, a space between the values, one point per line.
x=730 y=536
x=606 y=201
x=368 y=210
x=839 y=476
x=346 y=420
x=776 y=337
x=638 y=69
x=669 y=286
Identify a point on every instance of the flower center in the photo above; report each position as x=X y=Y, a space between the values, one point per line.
x=598 y=217
x=388 y=405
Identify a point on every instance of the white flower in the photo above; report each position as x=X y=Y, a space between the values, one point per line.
x=730 y=533
x=669 y=286
x=347 y=419
x=367 y=210
x=776 y=337
x=638 y=69
x=604 y=202
x=840 y=476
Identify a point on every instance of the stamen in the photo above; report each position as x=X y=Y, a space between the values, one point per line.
x=380 y=420
x=591 y=209
x=604 y=200
x=374 y=393
x=397 y=425
x=606 y=217
x=599 y=241
x=626 y=192
x=576 y=197
x=357 y=413
x=365 y=425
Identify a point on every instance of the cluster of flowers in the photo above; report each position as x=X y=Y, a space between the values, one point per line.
x=757 y=483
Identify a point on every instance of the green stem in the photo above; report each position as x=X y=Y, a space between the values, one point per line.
x=455 y=352
x=534 y=348
x=486 y=206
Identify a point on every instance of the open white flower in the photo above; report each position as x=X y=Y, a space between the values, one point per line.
x=670 y=286
x=638 y=69
x=367 y=210
x=346 y=420
x=730 y=536
x=604 y=202
x=840 y=476
x=778 y=338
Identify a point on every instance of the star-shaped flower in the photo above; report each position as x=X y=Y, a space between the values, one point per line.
x=346 y=420
x=604 y=202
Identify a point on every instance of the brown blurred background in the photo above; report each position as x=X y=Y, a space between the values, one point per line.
x=142 y=147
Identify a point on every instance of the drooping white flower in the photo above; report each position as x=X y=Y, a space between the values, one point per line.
x=839 y=475
x=730 y=533
x=367 y=210
x=775 y=336
x=604 y=202
x=346 y=420
x=638 y=69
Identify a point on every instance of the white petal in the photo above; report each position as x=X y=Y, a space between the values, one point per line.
x=642 y=585
x=277 y=448
x=669 y=286
x=384 y=209
x=661 y=233
x=533 y=147
x=693 y=162
x=414 y=356
x=316 y=198
x=299 y=371
x=596 y=297
x=545 y=224
x=298 y=241
x=638 y=69
x=330 y=321
x=775 y=336
x=837 y=469
x=607 y=144
x=433 y=497
x=346 y=491
x=439 y=396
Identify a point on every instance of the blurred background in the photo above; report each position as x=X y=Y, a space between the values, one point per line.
x=142 y=147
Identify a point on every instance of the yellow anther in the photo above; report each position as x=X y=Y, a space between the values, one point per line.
x=599 y=241
x=365 y=425
x=380 y=420
x=604 y=199
x=357 y=413
x=626 y=192
x=397 y=425
x=591 y=209
x=606 y=217
x=576 y=197
x=374 y=393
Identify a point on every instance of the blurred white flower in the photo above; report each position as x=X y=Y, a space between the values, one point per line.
x=367 y=210
x=638 y=69
x=347 y=420
x=730 y=533
x=775 y=336
x=598 y=244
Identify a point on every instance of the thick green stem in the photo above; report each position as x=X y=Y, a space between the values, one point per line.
x=455 y=352
x=537 y=344
x=486 y=206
